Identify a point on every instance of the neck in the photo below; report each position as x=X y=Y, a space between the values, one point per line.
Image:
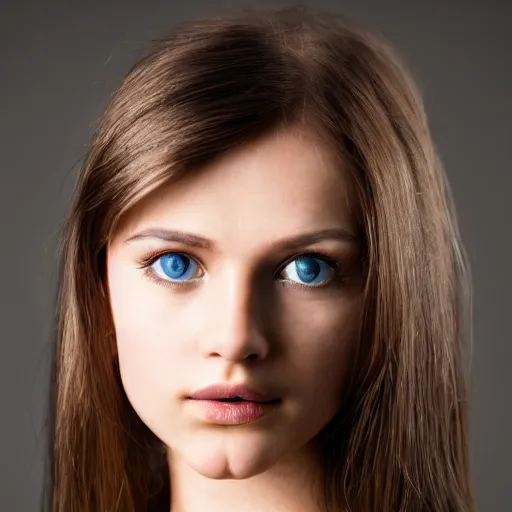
x=294 y=483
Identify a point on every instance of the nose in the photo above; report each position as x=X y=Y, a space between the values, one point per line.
x=233 y=328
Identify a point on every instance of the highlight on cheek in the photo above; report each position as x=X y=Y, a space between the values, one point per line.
x=307 y=270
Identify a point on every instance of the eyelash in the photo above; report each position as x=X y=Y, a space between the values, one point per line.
x=337 y=279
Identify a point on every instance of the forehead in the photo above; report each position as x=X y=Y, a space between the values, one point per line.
x=283 y=184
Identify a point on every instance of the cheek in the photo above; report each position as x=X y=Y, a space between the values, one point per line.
x=321 y=339
x=147 y=328
x=145 y=320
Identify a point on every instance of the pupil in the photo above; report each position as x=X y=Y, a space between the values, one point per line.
x=307 y=268
x=175 y=265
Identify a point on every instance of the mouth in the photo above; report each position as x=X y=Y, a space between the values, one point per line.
x=233 y=410
x=232 y=393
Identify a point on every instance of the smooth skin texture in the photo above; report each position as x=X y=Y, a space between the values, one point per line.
x=242 y=315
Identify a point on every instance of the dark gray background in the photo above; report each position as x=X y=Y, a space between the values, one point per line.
x=61 y=60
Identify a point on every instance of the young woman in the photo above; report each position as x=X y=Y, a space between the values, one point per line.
x=264 y=300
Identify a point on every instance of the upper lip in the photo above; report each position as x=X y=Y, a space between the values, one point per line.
x=219 y=391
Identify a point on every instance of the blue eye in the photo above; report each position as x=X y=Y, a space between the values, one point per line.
x=174 y=267
x=309 y=270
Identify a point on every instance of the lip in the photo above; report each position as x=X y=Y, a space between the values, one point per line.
x=232 y=413
x=220 y=391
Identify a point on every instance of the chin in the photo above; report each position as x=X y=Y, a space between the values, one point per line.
x=229 y=455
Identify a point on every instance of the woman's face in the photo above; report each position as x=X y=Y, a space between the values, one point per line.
x=252 y=276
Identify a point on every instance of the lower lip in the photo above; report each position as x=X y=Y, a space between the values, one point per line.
x=233 y=413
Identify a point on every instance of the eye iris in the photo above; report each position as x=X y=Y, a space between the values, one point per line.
x=175 y=265
x=307 y=268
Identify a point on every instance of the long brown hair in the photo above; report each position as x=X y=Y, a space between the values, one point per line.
x=400 y=441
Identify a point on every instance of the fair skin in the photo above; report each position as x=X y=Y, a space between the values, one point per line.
x=241 y=316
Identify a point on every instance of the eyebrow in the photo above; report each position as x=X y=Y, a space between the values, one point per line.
x=287 y=243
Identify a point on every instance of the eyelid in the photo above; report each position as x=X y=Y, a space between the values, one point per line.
x=152 y=256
